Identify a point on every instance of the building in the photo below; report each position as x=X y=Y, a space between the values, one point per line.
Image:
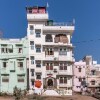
x=50 y=52
x=93 y=78
x=92 y=74
x=79 y=76
x=13 y=56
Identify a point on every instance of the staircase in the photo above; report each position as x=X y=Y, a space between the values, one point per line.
x=51 y=93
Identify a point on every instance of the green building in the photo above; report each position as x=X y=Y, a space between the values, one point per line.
x=13 y=64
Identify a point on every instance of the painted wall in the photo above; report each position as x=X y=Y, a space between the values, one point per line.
x=12 y=74
x=76 y=83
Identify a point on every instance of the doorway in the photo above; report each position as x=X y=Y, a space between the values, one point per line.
x=50 y=82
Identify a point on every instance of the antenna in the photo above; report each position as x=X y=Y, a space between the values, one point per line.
x=47 y=5
x=74 y=21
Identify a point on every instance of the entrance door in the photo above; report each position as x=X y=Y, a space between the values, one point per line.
x=50 y=82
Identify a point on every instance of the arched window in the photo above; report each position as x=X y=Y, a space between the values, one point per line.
x=48 y=38
x=61 y=38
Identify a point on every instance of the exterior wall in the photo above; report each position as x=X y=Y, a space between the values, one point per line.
x=11 y=72
x=54 y=58
x=77 y=86
x=93 y=80
x=92 y=76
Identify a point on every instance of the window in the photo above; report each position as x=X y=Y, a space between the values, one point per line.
x=31 y=27
x=4 y=64
x=80 y=79
x=61 y=80
x=65 y=79
x=79 y=69
x=48 y=38
x=32 y=72
x=93 y=72
x=38 y=33
x=10 y=50
x=93 y=82
x=32 y=59
x=65 y=67
x=38 y=75
x=78 y=86
x=38 y=63
x=62 y=66
x=21 y=80
x=83 y=78
x=49 y=51
x=49 y=66
x=5 y=79
x=31 y=42
x=20 y=64
x=38 y=49
x=32 y=45
x=19 y=50
x=2 y=50
x=63 y=51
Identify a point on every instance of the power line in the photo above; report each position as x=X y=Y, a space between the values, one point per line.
x=86 y=41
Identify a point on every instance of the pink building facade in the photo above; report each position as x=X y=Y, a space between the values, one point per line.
x=79 y=78
x=93 y=79
x=92 y=74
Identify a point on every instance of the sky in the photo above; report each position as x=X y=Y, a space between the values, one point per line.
x=86 y=37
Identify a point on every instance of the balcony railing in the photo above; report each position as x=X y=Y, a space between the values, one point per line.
x=60 y=24
x=65 y=85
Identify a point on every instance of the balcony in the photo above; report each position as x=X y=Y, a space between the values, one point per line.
x=93 y=76
x=95 y=85
x=65 y=85
x=37 y=17
x=49 y=57
x=64 y=72
x=59 y=27
x=58 y=44
x=59 y=58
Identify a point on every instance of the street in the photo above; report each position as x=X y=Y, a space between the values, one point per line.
x=75 y=97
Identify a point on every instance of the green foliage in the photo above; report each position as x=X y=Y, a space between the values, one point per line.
x=4 y=94
x=17 y=93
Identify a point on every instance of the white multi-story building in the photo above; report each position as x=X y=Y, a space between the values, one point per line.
x=50 y=51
